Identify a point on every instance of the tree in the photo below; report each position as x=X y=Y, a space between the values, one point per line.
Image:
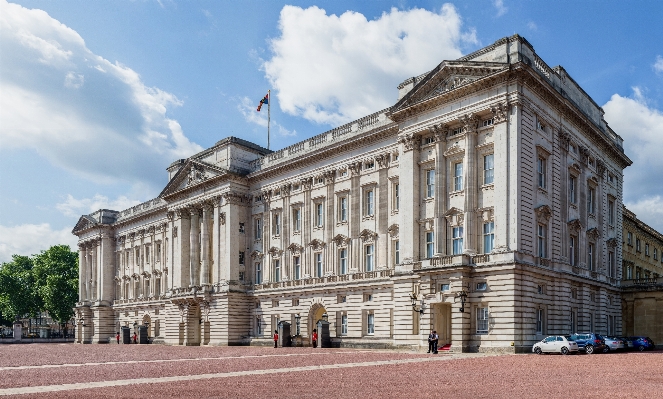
x=56 y=281
x=17 y=295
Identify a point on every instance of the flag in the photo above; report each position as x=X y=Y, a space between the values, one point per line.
x=265 y=100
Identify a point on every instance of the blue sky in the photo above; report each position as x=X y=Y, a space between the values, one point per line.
x=98 y=98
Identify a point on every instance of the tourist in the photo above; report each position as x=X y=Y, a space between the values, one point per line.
x=276 y=338
x=117 y=336
x=436 y=339
x=315 y=338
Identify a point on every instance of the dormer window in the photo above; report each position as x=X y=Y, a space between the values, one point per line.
x=456 y=131
x=540 y=126
x=343 y=173
x=319 y=180
x=369 y=164
x=487 y=122
x=428 y=140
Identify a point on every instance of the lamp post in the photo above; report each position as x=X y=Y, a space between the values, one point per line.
x=417 y=306
x=298 y=319
x=462 y=295
x=325 y=317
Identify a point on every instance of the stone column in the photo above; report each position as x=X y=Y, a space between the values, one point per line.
x=501 y=137
x=441 y=196
x=205 y=241
x=82 y=294
x=218 y=224
x=194 y=237
x=470 y=123
x=409 y=230
x=354 y=254
x=95 y=264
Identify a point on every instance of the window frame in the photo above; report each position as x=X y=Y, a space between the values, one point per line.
x=297 y=267
x=489 y=173
x=488 y=236
x=457 y=246
x=319 y=266
x=343 y=261
x=430 y=183
x=430 y=244
x=458 y=176
x=542 y=240
x=482 y=318
x=542 y=172
x=369 y=257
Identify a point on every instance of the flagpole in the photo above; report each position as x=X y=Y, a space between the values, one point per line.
x=269 y=109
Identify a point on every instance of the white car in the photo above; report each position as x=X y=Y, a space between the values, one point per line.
x=612 y=344
x=555 y=344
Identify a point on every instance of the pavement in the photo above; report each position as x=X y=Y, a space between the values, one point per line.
x=158 y=371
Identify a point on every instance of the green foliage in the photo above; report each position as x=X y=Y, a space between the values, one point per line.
x=44 y=282
x=17 y=294
x=56 y=281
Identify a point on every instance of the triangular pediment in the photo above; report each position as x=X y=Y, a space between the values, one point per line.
x=85 y=222
x=445 y=78
x=190 y=175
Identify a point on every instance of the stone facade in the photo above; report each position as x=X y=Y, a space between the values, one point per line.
x=642 y=281
x=486 y=204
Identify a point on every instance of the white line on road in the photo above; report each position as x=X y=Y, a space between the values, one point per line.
x=156 y=380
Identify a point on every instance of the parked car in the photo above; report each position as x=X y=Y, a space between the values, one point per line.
x=642 y=343
x=613 y=344
x=555 y=344
x=628 y=342
x=589 y=342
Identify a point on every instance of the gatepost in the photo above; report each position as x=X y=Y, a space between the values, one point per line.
x=285 y=339
x=323 y=334
x=126 y=334
x=18 y=331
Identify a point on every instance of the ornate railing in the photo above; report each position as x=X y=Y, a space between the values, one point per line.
x=329 y=279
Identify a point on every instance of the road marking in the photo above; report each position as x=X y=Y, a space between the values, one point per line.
x=157 y=380
x=47 y=366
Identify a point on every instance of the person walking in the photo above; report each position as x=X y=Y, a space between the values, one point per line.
x=135 y=338
x=276 y=338
x=430 y=342
x=315 y=338
x=436 y=339
x=117 y=336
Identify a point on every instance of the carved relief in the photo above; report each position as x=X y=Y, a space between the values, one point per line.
x=295 y=248
x=222 y=218
x=600 y=168
x=381 y=160
x=197 y=174
x=329 y=176
x=409 y=141
x=574 y=226
x=393 y=231
x=368 y=235
x=564 y=139
x=307 y=183
x=500 y=112
x=355 y=168
x=454 y=217
x=611 y=243
x=470 y=123
x=340 y=240
x=317 y=245
x=175 y=231
x=275 y=252
x=543 y=213
x=256 y=255
x=584 y=154
x=427 y=224
x=285 y=190
x=486 y=214
x=593 y=234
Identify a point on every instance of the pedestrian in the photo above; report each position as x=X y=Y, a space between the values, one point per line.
x=117 y=337
x=315 y=338
x=436 y=339
x=430 y=342
x=135 y=338
x=276 y=338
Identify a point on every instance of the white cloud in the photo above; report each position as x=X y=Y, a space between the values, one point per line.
x=30 y=239
x=76 y=207
x=658 y=65
x=499 y=6
x=532 y=26
x=331 y=69
x=103 y=123
x=248 y=108
x=641 y=127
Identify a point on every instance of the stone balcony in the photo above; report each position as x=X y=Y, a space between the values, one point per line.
x=334 y=279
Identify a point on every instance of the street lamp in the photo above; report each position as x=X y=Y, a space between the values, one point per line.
x=463 y=296
x=325 y=317
x=297 y=321
x=417 y=306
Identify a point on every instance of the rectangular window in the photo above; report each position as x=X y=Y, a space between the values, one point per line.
x=629 y=273
x=369 y=257
x=319 y=215
x=397 y=198
x=482 y=286
x=590 y=256
x=257 y=228
x=343 y=261
x=629 y=238
x=572 y=189
x=318 y=264
x=590 y=200
x=277 y=270
x=611 y=212
x=241 y=257
x=296 y=219
x=370 y=324
x=458 y=176
x=539 y=321
x=542 y=242
x=258 y=273
x=147 y=254
x=637 y=244
x=297 y=266
x=457 y=240
x=369 y=203
x=591 y=322
x=277 y=224
x=574 y=320
x=397 y=253
x=646 y=249
x=655 y=254
x=344 y=324
x=430 y=244
x=445 y=287
x=430 y=183
x=612 y=270
x=158 y=259
x=482 y=320
x=343 y=209
x=241 y=228
x=573 y=246
x=488 y=169
x=541 y=171
x=488 y=237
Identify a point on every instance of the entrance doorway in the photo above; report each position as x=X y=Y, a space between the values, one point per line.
x=314 y=314
x=441 y=313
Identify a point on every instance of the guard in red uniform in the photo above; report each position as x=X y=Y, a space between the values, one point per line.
x=276 y=338
x=315 y=338
x=118 y=337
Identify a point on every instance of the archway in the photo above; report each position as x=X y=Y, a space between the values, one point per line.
x=314 y=314
x=147 y=321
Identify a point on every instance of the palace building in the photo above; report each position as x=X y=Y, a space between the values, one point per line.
x=486 y=204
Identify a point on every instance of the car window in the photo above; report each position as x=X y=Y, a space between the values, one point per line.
x=560 y=339
x=550 y=339
x=569 y=337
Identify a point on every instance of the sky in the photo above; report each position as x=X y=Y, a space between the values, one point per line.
x=97 y=98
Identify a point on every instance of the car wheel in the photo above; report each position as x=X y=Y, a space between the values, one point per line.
x=538 y=351
x=641 y=348
x=589 y=349
x=565 y=350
